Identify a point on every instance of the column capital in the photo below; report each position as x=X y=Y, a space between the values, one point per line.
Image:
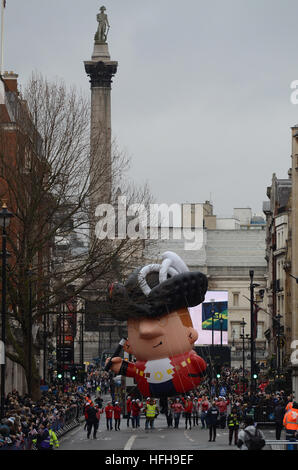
x=101 y=73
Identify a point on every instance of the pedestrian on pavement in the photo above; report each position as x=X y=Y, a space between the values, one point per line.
x=99 y=402
x=169 y=414
x=112 y=389
x=109 y=415
x=177 y=408
x=86 y=405
x=188 y=406
x=117 y=415
x=205 y=405
x=98 y=391
x=279 y=412
x=195 y=412
x=151 y=411
x=233 y=425
x=128 y=409
x=135 y=414
x=212 y=416
x=92 y=420
x=222 y=408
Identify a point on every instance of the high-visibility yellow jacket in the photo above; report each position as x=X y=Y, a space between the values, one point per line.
x=290 y=420
x=54 y=440
x=150 y=411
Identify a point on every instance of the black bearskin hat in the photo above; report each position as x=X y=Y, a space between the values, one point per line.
x=156 y=290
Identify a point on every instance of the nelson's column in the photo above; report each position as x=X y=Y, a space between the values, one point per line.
x=101 y=70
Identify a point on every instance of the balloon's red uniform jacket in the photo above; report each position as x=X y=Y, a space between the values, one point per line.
x=167 y=376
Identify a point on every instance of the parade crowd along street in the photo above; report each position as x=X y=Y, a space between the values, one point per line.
x=37 y=425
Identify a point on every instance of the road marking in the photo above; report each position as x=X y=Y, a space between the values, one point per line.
x=187 y=436
x=130 y=442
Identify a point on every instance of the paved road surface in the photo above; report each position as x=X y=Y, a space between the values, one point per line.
x=160 y=438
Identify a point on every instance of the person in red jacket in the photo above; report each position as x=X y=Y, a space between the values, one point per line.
x=117 y=415
x=86 y=406
x=188 y=406
x=109 y=415
x=128 y=409
x=177 y=408
x=222 y=406
x=136 y=407
x=205 y=405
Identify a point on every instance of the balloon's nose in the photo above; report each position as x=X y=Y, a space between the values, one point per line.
x=149 y=328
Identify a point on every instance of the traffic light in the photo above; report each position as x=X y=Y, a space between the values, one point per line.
x=73 y=374
x=59 y=376
x=217 y=370
x=255 y=375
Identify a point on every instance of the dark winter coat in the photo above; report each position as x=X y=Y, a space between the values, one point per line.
x=91 y=415
x=279 y=412
x=212 y=415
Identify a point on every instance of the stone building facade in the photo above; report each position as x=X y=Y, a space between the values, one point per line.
x=282 y=264
x=230 y=248
x=277 y=211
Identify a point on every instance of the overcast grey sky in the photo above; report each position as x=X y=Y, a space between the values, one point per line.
x=201 y=100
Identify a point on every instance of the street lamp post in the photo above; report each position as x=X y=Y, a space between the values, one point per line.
x=242 y=336
x=82 y=340
x=45 y=286
x=212 y=318
x=5 y=217
x=45 y=368
x=252 y=328
x=29 y=273
x=221 y=325
x=63 y=346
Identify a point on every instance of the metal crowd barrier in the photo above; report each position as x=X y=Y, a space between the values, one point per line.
x=282 y=445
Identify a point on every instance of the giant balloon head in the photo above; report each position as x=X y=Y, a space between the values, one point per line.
x=155 y=301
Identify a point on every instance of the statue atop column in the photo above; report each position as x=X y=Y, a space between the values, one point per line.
x=103 y=26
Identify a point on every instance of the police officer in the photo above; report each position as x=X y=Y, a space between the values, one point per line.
x=233 y=425
x=212 y=416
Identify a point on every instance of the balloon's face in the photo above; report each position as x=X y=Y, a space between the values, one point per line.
x=156 y=338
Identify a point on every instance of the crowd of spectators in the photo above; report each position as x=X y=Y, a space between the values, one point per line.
x=59 y=405
x=25 y=419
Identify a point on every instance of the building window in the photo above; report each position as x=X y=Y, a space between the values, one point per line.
x=235 y=299
x=235 y=327
x=260 y=331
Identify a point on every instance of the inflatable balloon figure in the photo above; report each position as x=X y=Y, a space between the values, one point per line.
x=154 y=301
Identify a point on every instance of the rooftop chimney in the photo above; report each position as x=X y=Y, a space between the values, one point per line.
x=11 y=81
